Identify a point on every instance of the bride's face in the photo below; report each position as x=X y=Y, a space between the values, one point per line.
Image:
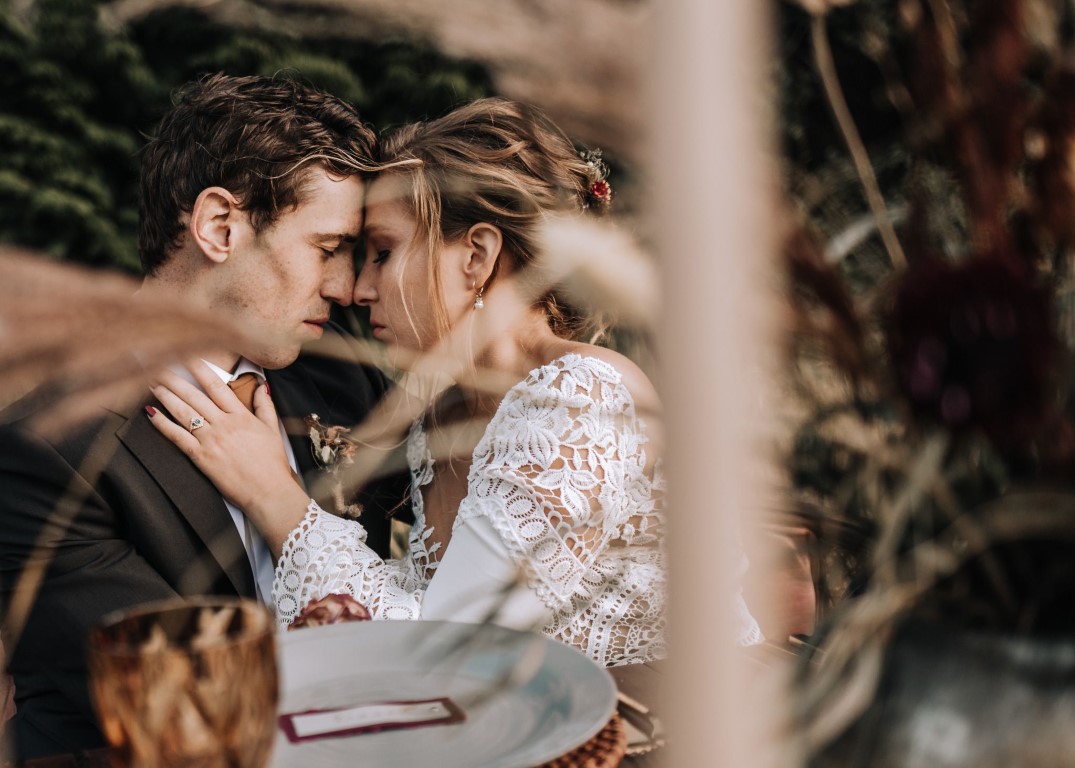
x=396 y=278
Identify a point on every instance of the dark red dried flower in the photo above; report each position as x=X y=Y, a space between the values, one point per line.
x=601 y=190
x=330 y=609
x=974 y=345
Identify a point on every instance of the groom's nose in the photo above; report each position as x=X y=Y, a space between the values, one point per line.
x=339 y=281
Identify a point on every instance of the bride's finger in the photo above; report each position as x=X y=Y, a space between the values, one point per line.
x=215 y=387
x=179 y=409
x=187 y=393
x=263 y=406
x=183 y=439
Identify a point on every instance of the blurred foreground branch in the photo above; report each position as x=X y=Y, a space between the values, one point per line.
x=72 y=339
x=580 y=60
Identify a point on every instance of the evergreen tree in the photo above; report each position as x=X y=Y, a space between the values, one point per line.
x=67 y=134
x=79 y=99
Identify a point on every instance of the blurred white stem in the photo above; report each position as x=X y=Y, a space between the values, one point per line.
x=856 y=233
x=716 y=223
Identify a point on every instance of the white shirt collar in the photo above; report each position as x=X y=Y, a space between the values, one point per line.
x=244 y=366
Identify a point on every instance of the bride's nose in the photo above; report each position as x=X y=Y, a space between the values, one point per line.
x=365 y=293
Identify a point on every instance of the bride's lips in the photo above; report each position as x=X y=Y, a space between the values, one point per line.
x=378 y=331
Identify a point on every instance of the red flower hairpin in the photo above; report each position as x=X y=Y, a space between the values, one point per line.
x=599 y=193
x=601 y=190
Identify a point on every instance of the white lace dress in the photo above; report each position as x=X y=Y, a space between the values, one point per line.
x=561 y=474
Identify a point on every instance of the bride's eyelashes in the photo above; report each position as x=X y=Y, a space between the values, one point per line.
x=374 y=253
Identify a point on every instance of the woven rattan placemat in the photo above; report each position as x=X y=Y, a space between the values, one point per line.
x=605 y=750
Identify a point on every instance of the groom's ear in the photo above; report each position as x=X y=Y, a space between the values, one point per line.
x=484 y=242
x=212 y=219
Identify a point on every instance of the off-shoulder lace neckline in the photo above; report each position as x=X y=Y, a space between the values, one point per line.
x=572 y=356
x=563 y=363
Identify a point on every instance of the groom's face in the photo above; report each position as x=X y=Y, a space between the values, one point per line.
x=283 y=280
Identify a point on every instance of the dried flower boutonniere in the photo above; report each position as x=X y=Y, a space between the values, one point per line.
x=332 y=449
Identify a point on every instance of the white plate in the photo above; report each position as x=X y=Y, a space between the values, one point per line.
x=557 y=699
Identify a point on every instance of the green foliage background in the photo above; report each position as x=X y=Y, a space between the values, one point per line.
x=76 y=101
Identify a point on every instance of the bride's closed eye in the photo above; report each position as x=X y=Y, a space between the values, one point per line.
x=382 y=254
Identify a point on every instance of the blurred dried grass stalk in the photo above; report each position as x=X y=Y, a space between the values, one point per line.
x=73 y=340
x=69 y=336
x=66 y=331
x=926 y=420
x=602 y=268
x=580 y=60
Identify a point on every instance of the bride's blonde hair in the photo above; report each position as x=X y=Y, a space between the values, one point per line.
x=499 y=162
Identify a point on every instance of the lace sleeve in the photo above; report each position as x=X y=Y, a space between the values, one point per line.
x=327 y=555
x=561 y=474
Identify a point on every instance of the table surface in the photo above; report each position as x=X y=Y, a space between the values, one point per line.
x=639 y=681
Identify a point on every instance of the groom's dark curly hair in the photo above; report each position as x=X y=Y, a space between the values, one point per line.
x=257 y=137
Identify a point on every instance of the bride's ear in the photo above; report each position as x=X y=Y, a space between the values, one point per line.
x=212 y=220
x=484 y=242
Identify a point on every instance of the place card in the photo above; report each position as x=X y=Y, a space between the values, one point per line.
x=366 y=718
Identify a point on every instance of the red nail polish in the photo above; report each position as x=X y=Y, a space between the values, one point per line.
x=267 y=390
x=151 y=411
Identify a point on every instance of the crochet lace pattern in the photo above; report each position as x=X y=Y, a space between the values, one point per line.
x=561 y=472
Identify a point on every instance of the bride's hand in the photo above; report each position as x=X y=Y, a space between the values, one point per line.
x=239 y=451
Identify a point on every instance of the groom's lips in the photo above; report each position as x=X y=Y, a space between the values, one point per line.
x=318 y=324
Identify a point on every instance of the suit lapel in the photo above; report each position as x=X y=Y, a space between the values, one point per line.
x=194 y=496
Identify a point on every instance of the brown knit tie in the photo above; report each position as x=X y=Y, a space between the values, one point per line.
x=244 y=386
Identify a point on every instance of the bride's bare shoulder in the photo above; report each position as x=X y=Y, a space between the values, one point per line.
x=634 y=378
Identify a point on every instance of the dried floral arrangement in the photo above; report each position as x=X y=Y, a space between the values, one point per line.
x=933 y=363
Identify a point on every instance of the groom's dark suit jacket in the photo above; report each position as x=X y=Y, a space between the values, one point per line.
x=146 y=525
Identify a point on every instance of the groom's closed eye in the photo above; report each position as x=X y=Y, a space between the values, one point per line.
x=334 y=244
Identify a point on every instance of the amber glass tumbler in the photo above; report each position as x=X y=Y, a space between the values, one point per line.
x=187 y=683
